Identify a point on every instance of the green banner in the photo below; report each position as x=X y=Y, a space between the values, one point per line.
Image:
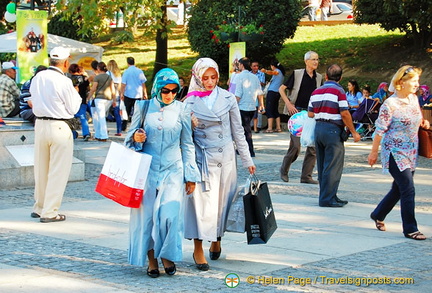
x=32 y=42
x=237 y=50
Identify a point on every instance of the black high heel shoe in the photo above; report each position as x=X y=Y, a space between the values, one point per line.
x=153 y=273
x=215 y=255
x=201 y=266
x=171 y=270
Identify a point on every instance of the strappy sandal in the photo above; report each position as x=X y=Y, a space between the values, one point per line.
x=269 y=131
x=416 y=236
x=378 y=224
x=278 y=130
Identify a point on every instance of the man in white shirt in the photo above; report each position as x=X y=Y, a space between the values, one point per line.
x=55 y=100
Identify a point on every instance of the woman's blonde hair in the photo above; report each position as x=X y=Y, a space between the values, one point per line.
x=113 y=67
x=404 y=73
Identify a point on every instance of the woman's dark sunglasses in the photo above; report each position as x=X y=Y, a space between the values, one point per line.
x=166 y=91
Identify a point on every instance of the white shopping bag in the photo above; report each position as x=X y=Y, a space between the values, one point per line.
x=307 y=138
x=124 y=175
x=123 y=112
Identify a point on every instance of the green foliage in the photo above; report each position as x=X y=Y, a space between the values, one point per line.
x=94 y=16
x=409 y=16
x=122 y=37
x=279 y=20
x=3 y=28
x=252 y=28
x=63 y=26
x=7 y=57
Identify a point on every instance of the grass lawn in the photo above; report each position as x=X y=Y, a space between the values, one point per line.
x=348 y=42
x=366 y=52
x=180 y=56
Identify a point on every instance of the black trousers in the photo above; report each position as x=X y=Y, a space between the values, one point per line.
x=129 y=104
x=247 y=117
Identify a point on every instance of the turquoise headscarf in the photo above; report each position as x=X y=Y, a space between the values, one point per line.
x=163 y=77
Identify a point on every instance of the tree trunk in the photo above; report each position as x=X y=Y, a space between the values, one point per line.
x=161 y=60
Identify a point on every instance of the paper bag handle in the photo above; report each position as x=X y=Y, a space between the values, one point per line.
x=254 y=184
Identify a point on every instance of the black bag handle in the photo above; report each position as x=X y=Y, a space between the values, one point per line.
x=255 y=184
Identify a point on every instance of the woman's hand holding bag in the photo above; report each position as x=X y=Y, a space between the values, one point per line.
x=140 y=135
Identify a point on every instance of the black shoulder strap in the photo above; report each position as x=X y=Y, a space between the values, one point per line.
x=50 y=68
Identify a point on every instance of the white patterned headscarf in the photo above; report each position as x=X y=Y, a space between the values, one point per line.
x=198 y=70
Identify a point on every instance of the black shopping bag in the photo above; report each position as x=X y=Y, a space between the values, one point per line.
x=259 y=212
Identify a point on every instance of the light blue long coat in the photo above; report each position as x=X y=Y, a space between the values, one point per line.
x=158 y=223
x=214 y=137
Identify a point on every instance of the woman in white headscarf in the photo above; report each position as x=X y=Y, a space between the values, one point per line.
x=218 y=126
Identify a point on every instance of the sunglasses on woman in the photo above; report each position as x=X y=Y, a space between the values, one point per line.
x=166 y=91
x=408 y=70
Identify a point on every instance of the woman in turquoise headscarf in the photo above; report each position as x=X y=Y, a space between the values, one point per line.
x=156 y=227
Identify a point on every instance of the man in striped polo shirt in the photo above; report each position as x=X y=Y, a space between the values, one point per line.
x=329 y=107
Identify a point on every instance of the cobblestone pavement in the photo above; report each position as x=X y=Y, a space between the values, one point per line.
x=407 y=262
x=410 y=261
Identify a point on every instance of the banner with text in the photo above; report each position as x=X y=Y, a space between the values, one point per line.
x=237 y=50
x=32 y=42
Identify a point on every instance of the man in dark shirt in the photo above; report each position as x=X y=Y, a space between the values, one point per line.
x=300 y=84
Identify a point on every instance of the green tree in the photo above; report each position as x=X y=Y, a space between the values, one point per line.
x=278 y=18
x=64 y=26
x=410 y=16
x=147 y=14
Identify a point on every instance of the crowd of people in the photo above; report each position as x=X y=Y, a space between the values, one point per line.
x=195 y=135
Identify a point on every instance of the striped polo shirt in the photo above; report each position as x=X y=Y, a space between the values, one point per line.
x=327 y=101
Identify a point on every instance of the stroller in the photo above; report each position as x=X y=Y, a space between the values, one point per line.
x=364 y=117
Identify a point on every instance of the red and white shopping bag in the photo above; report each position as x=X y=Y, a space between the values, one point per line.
x=124 y=175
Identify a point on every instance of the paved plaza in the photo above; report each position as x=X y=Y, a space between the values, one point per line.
x=313 y=250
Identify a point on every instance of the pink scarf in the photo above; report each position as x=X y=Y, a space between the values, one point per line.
x=199 y=94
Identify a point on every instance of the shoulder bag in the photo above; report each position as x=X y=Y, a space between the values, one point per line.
x=425 y=142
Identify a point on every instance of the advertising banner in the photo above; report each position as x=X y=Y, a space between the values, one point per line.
x=237 y=50
x=32 y=41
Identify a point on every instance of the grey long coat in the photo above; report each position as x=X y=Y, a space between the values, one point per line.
x=214 y=137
